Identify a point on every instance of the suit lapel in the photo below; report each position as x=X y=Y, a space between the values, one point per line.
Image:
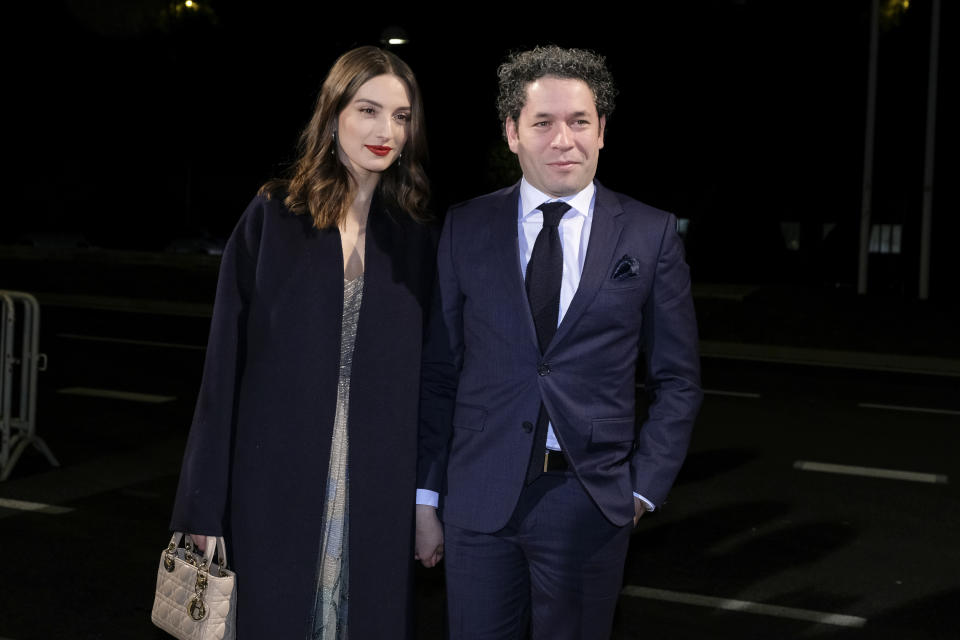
x=604 y=235
x=506 y=253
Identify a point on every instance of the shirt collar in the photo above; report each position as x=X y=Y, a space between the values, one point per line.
x=531 y=198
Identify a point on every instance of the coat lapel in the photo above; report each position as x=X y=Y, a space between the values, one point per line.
x=380 y=246
x=604 y=235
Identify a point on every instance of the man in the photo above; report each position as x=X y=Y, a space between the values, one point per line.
x=549 y=290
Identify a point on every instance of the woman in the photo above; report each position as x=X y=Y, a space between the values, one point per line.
x=302 y=451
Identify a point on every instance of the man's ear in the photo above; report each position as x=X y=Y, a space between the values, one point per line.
x=513 y=140
x=603 y=127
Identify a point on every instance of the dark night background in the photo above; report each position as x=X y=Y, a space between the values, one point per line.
x=136 y=125
x=138 y=130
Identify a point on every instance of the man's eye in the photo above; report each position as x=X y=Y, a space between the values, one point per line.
x=542 y=123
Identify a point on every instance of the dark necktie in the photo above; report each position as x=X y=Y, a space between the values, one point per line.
x=544 y=275
x=545 y=272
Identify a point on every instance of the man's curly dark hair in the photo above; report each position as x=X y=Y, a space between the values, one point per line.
x=525 y=67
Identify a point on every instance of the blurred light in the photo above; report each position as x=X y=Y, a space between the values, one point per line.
x=886 y=238
x=188 y=10
x=790 y=231
x=394 y=35
x=892 y=12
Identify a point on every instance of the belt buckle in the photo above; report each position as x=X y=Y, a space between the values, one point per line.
x=559 y=461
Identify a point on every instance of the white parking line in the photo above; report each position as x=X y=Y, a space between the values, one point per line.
x=141 y=343
x=829 y=358
x=894 y=407
x=116 y=395
x=127 y=305
x=133 y=493
x=745 y=606
x=23 y=505
x=717 y=392
x=732 y=394
x=871 y=472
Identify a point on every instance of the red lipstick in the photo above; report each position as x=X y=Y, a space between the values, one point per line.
x=378 y=150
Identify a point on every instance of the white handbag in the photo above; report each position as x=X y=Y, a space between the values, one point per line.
x=196 y=598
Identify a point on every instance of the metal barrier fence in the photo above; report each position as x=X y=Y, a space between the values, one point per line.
x=21 y=360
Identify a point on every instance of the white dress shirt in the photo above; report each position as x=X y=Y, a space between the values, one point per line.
x=574 y=230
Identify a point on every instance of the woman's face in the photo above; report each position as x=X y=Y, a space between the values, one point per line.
x=373 y=127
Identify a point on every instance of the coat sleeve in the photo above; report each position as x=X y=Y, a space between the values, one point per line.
x=672 y=372
x=440 y=368
x=201 y=498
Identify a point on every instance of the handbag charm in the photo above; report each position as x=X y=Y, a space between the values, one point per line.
x=196 y=608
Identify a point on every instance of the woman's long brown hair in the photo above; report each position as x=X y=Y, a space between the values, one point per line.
x=319 y=184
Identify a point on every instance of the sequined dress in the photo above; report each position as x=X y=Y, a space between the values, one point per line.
x=330 y=603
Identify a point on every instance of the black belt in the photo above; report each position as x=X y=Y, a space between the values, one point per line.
x=555 y=461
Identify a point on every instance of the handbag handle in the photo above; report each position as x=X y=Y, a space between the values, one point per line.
x=217 y=544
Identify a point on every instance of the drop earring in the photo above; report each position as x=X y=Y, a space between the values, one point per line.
x=333 y=147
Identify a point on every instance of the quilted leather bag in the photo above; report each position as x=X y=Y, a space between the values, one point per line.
x=196 y=598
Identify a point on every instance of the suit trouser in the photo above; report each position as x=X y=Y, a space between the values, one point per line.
x=557 y=565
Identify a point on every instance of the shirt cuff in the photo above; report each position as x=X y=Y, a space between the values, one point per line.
x=427 y=497
x=649 y=504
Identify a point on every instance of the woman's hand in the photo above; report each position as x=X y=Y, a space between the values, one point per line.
x=199 y=541
x=639 y=508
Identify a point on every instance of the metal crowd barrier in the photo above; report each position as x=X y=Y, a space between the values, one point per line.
x=21 y=360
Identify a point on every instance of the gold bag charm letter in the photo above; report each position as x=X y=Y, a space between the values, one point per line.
x=197 y=609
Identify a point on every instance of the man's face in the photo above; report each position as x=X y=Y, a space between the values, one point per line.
x=558 y=136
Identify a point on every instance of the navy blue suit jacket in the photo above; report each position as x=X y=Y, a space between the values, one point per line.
x=484 y=376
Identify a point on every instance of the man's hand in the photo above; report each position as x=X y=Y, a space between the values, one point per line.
x=429 y=538
x=639 y=508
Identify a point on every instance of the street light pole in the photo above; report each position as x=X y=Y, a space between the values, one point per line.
x=867 y=193
x=927 y=215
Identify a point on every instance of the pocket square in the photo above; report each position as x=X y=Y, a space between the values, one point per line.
x=627 y=267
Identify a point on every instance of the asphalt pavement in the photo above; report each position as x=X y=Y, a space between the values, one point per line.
x=789 y=519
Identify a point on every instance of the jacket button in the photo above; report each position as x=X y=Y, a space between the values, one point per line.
x=527 y=426
x=543 y=369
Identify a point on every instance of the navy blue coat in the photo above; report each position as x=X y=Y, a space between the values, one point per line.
x=484 y=376
x=256 y=461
